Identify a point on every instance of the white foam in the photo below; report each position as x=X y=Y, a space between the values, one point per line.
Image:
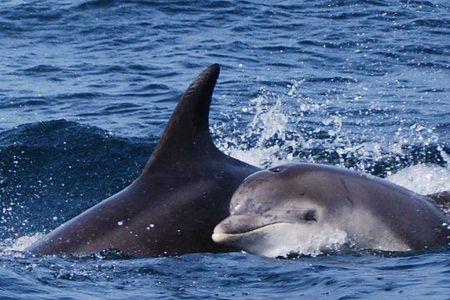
x=11 y=246
x=423 y=179
x=283 y=239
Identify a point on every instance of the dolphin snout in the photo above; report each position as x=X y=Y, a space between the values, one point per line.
x=236 y=226
x=243 y=223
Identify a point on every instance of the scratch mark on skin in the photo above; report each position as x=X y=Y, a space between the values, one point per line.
x=347 y=195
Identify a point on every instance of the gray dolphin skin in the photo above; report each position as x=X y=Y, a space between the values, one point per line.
x=310 y=208
x=174 y=205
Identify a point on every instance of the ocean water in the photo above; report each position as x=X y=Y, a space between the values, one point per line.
x=87 y=86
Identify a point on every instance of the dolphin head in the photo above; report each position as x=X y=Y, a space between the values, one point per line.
x=275 y=213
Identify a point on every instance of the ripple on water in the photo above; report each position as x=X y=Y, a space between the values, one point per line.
x=87 y=87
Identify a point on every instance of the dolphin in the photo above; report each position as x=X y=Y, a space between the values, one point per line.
x=174 y=205
x=309 y=209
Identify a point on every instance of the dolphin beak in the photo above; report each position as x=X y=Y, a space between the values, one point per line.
x=236 y=226
x=219 y=236
x=223 y=231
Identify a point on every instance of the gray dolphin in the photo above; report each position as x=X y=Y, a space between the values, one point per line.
x=312 y=208
x=172 y=208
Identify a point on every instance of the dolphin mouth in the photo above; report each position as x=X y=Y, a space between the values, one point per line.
x=222 y=237
x=236 y=227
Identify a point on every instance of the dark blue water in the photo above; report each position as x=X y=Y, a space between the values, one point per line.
x=86 y=88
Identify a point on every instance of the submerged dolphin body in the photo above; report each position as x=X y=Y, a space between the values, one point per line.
x=311 y=208
x=172 y=208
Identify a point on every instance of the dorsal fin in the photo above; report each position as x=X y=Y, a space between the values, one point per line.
x=187 y=133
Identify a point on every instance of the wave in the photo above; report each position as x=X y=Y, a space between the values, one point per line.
x=42 y=69
x=96 y=4
x=54 y=170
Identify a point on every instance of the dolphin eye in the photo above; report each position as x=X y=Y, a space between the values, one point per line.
x=310 y=216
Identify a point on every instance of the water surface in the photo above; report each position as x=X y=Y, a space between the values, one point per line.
x=86 y=88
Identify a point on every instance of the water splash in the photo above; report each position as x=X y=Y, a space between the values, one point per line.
x=291 y=127
x=14 y=246
x=266 y=137
x=423 y=179
x=286 y=240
